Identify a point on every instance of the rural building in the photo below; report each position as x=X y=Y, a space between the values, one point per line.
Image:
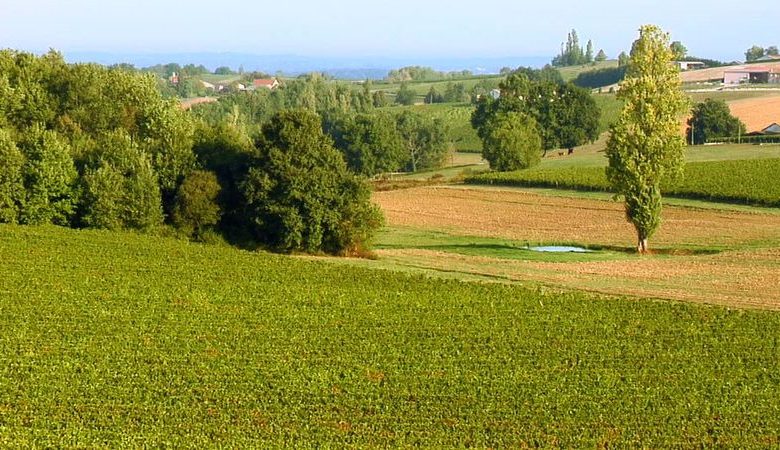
x=271 y=83
x=174 y=78
x=751 y=74
x=690 y=65
x=771 y=130
x=766 y=59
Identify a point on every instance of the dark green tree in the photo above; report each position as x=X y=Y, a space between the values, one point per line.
x=601 y=56
x=433 y=96
x=678 y=50
x=370 y=143
x=300 y=195
x=589 y=52
x=12 y=191
x=405 y=96
x=712 y=119
x=197 y=208
x=511 y=142
x=380 y=99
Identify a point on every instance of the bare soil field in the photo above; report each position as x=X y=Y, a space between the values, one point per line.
x=757 y=113
x=744 y=274
x=520 y=215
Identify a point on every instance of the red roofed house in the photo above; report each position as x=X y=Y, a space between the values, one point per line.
x=272 y=83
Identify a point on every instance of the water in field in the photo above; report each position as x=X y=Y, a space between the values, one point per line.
x=560 y=249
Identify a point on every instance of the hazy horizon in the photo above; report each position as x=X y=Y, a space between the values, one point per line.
x=351 y=29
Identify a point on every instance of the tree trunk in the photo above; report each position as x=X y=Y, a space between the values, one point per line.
x=642 y=246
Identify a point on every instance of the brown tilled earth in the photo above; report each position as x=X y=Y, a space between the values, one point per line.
x=757 y=113
x=746 y=274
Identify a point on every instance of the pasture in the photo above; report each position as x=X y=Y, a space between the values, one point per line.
x=116 y=339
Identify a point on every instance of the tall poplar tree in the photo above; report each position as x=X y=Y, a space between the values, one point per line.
x=646 y=146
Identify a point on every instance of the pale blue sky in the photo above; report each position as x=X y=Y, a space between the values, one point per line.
x=451 y=28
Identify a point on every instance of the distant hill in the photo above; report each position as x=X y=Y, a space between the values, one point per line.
x=356 y=68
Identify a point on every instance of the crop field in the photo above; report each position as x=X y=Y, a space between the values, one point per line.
x=741 y=181
x=705 y=253
x=112 y=339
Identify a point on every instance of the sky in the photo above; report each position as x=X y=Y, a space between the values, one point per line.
x=419 y=28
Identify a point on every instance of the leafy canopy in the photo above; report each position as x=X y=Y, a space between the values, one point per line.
x=645 y=145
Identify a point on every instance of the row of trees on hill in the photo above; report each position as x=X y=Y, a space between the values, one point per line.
x=573 y=54
x=419 y=73
x=87 y=146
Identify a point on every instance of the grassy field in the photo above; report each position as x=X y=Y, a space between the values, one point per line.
x=112 y=339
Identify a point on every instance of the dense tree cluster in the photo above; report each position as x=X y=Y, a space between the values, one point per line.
x=88 y=146
x=563 y=115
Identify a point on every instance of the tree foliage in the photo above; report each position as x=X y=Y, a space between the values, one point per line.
x=120 y=188
x=645 y=146
x=49 y=178
x=12 y=191
x=566 y=115
x=712 y=119
x=405 y=95
x=572 y=53
x=300 y=195
x=753 y=53
x=197 y=207
x=511 y=142
x=371 y=144
x=424 y=140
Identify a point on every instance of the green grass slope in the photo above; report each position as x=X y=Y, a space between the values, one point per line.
x=110 y=339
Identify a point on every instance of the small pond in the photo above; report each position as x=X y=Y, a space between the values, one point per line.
x=560 y=249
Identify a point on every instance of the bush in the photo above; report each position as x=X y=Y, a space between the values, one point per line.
x=300 y=195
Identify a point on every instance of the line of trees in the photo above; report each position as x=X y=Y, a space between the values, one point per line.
x=573 y=54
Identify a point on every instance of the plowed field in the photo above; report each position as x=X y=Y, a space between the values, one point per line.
x=744 y=273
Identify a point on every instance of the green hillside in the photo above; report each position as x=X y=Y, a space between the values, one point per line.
x=122 y=340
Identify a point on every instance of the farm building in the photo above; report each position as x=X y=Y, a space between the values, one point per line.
x=751 y=74
x=690 y=65
x=771 y=130
x=271 y=83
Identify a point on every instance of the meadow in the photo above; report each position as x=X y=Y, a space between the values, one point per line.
x=117 y=339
